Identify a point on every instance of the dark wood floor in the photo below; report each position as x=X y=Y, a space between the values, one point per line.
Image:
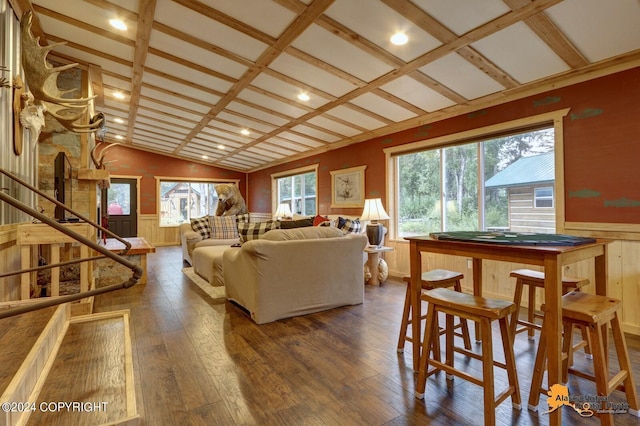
x=205 y=363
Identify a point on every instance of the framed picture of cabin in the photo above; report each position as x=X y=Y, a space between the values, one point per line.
x=347 y=187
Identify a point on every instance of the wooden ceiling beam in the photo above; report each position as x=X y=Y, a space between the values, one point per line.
x=146 y=12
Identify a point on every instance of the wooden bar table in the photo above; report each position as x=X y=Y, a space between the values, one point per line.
x=552 y=258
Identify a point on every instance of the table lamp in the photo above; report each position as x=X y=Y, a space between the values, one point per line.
x=373 y=212
x=283 y=212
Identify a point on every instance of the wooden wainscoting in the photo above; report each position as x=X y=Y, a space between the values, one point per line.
x=623 y=265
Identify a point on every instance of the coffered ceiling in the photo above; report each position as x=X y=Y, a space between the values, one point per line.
x=195 y=74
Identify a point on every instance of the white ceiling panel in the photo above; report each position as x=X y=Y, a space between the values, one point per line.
x=460 y=76
x=300 y=138
x=382 y=107
x=195 y=54
x=311 y=75
x=334 y=126
x=170 y=110
x=356 y=117
x=504 y=48
x=285 y=144
x=286 y=90
x=253 y=13
x=186 y=73
x=310 y=131
x=179 y=102
x=410 y=90
x=462 y=16
x=377 y=23
x=245 y=122
x=183 y=89
x=191 y=23
x=599 y=29
x=271 y=103
x=343 y=55
x=256 y=113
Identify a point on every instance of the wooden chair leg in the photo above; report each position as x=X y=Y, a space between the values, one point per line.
x=567 y=348
x=405 y=321
x=600 y=369
x=449 y=344
x=517 y=299
x=464 y=324
x=531 y=312
x=430 y=332
x=510 y=362
x=623 y=359
x=487 y=372
x=538 y=372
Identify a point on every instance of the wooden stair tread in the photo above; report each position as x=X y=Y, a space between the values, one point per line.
x=100 y=344
x=17 y=336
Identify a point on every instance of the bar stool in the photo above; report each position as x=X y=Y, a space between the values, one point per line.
x=484 y=311
x=436 y=278
x=592 y=312
x=535 y=279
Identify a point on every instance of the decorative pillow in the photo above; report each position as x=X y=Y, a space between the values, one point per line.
x=319 y=219
x=253 y=231
x=201 y=226
x=242 y=218
x=223 y=227
x=351 y=226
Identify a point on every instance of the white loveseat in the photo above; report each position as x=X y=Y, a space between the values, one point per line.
x=190 y=239
x=291 y=272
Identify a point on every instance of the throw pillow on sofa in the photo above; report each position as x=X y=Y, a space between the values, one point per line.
x=223 y=227
x=201 y=226
x=350 y=226
x=253 y=231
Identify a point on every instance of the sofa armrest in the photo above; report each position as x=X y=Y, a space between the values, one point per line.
x=188 y=239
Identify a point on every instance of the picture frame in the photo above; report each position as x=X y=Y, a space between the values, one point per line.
x=347 y=187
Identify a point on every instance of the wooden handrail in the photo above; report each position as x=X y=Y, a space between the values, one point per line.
x=137 y=271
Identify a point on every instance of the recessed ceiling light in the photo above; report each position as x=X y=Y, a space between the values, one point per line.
x=399 y=39
x=118 y=24
x=204 y=157
x=303 y=97
x=118 y=120
x=221 y=147
x=119 y=137
x=118 y=95
x=245 y=132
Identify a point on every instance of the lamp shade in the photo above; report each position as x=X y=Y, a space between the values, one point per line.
x=283 y=211
x=373 y=210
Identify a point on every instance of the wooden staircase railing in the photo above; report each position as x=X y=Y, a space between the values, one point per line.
x=136 y=270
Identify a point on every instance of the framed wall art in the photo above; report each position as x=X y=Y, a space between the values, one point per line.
x=347 y=187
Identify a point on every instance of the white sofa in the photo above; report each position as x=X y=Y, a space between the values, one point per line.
x=291 y=272
x=189 y=239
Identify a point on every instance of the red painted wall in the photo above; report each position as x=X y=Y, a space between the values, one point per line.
x=133 y=162
x=601 y=142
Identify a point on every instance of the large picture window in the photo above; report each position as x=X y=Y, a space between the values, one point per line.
x=182 y=200
x=493 y=183
x=298 y=189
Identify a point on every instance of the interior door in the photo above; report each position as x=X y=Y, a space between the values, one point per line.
x=120 y=202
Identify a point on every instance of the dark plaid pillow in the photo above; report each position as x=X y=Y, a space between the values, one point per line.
x=351 y=226
x=242 y=218
x=201 y=226
x=252 y=231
